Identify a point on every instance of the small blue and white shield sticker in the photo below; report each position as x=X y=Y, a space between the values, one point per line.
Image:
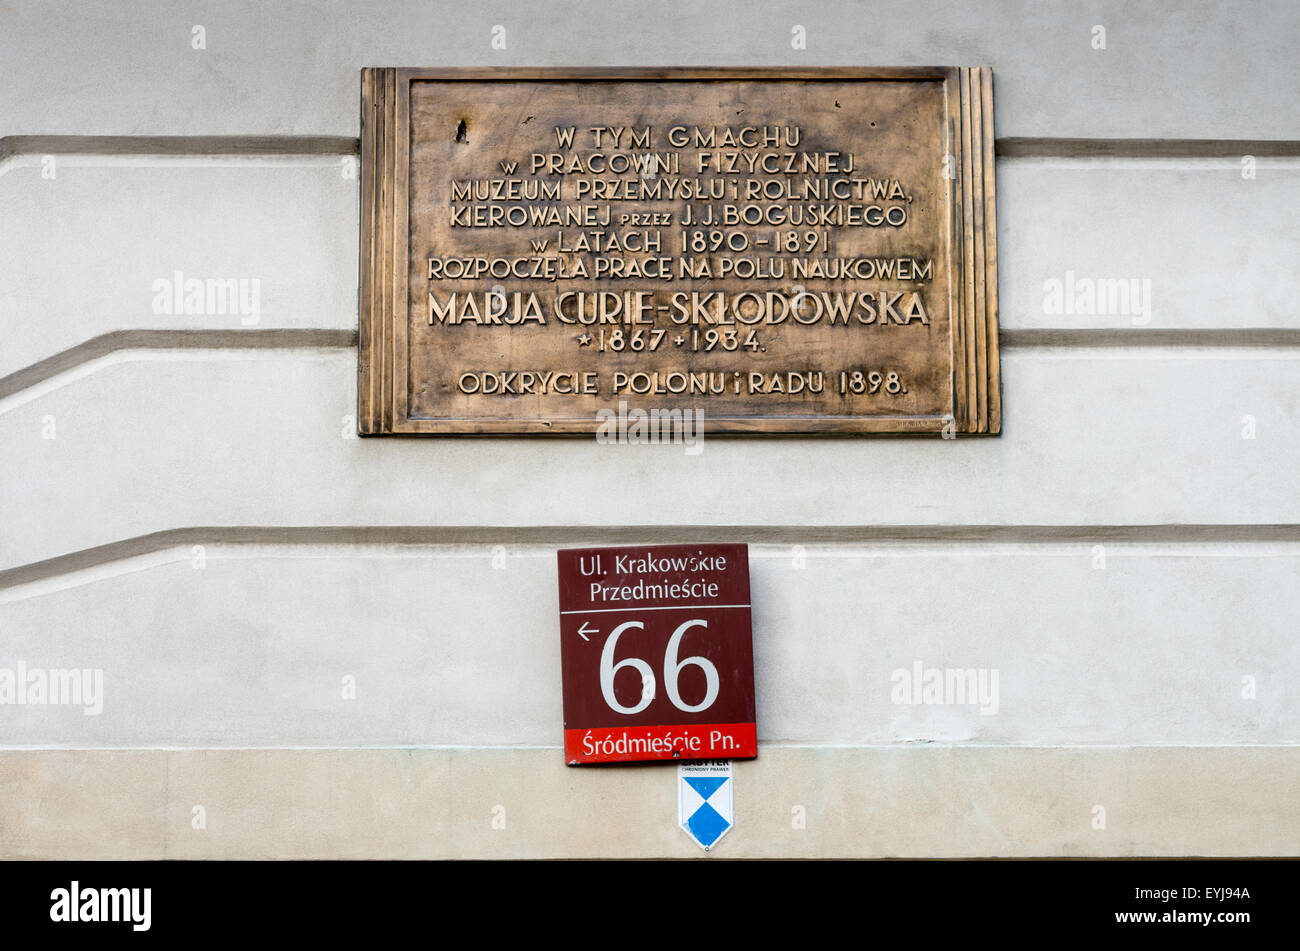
x=704 y=804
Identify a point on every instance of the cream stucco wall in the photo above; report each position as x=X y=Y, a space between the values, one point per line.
x=184 y=504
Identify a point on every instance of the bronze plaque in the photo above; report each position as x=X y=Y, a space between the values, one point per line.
x=771 y=250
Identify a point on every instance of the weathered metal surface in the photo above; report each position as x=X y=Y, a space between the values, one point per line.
x=759 y=251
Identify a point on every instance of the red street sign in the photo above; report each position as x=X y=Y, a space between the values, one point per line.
x=657 y=653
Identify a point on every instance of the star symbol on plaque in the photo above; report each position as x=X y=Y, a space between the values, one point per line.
x=584 y=340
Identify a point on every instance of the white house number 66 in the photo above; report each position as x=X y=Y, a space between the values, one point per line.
x=672 y=667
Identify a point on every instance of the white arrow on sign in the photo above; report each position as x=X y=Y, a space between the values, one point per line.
x=583 y=632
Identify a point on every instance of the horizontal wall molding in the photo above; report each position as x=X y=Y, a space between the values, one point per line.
x=255 y=145
x=1156 y=337
x=178 y=145
x=308 y=537
x=1013 y=147
x=280 y=338
x=325 y=338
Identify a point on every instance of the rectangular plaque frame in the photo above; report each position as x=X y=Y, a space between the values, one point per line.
x=971 y=390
